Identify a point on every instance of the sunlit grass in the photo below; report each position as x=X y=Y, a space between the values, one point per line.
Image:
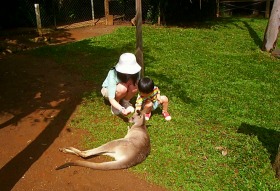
x=224 y=96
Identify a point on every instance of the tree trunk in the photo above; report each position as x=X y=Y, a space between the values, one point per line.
x=272 y=29
x=276 y=164
x=139 y=41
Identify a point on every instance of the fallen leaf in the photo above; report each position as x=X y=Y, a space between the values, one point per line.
x=224 y=152
x=219 y=148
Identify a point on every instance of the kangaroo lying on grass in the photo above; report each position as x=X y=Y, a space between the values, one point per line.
x=128 y=151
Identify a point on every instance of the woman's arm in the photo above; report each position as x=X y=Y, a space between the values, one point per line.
x=119 y=107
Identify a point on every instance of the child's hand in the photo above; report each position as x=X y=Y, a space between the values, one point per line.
x=128 y=110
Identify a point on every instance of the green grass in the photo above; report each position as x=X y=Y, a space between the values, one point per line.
x=223 y=92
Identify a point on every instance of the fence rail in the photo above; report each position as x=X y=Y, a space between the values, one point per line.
x=55 y=13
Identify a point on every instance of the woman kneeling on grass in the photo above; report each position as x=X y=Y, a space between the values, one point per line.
x=149 y=98
x=120 y=84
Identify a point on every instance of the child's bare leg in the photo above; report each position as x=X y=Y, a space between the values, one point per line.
x=121 y=92
x=164 y=100
x=131 y=92
x=148 y=107
x=165 y=113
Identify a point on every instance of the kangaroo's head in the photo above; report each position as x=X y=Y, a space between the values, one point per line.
x=137 y=118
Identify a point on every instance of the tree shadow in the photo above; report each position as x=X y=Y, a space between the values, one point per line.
x=31 y=83
x=13 y=171
x=253 y=34
x=21 y=39
x=28 y=87
x=270 y=139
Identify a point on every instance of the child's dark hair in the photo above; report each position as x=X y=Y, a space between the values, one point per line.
x=125 y=77
x=146 y=85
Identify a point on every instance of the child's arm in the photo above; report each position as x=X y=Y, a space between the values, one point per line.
x=158 y=95
x=138 y=103
x=159 y=98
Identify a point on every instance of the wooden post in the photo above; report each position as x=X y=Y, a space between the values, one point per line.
x=218 y=8
x=139 y=41
x=92 y=11
x=38 y=19
x=267 y=9
x=106 y=10
x=159 y=14
x=54 y=14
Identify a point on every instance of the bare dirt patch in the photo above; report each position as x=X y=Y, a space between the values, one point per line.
x=36 y=105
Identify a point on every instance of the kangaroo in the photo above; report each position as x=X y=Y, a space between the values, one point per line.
x=127 y=152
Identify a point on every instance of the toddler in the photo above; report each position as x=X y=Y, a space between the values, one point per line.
x=149 y=98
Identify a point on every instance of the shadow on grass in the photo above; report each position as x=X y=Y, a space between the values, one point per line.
x=253 y=34
x=24 y=76
x=23 y=94
x=270 y=139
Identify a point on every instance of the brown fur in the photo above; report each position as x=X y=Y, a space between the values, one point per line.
x=127 y=152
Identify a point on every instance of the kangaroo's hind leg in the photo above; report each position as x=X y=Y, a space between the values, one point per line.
x=106 y=149
x=71 y=150
x=110 y=149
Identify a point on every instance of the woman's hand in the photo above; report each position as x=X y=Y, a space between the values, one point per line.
x=127 y=111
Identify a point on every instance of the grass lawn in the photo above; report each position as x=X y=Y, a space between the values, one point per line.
x=224 y=97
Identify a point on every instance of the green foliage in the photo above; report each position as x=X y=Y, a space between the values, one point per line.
x=224 y=101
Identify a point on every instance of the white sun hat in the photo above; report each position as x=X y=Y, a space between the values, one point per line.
x=127 y=64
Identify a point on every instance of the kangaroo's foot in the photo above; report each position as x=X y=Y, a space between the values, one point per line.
x=70 y=150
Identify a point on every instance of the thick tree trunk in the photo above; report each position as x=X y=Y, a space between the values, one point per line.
x=272 y=29
x=276 y=164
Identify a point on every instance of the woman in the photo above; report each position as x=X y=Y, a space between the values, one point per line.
x=120 y=84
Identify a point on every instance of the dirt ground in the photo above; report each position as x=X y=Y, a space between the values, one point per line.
x=36 y=105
